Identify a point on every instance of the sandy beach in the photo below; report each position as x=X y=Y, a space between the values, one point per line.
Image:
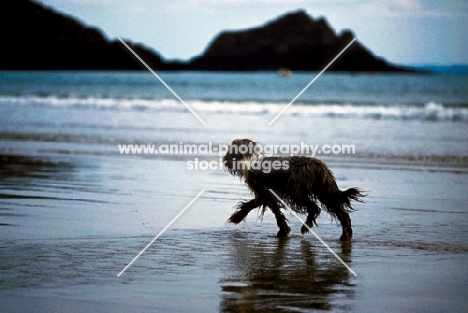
x=409 y=250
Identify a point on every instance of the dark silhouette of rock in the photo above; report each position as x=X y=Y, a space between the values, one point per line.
x=37 y=38
x=293 y=41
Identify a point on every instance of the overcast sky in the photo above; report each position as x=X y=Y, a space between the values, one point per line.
x=401 y=31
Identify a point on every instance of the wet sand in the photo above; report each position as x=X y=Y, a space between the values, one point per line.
x=70 y=225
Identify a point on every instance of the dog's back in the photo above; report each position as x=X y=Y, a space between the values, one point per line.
x=300 y=181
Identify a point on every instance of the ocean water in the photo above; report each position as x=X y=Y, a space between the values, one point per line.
x=74 y=210
x=418 y=119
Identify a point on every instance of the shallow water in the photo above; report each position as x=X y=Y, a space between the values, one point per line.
x=410 y=239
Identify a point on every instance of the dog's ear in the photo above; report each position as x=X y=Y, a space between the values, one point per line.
x=250 y=144
x=254 y=146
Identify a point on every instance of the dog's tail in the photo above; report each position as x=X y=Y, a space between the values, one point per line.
x=355 y=194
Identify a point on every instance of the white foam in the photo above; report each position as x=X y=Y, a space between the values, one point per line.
x=429 y=111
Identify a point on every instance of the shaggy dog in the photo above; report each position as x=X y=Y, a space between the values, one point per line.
x=301 y=182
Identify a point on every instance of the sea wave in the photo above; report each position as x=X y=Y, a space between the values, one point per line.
x=428 y=111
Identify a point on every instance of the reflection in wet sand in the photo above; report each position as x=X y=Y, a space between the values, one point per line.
x=270 y=274
x=17 y=167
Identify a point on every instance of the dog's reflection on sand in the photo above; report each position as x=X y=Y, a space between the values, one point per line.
x=284 y=274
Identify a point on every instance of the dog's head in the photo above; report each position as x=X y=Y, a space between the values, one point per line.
x=239 y=155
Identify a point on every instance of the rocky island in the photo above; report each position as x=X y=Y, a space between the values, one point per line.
x=293 y=41
x=38 y=38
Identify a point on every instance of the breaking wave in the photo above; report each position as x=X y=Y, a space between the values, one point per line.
x=429 y=111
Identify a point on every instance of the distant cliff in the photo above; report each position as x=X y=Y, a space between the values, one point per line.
x=38 y=38
x=293 y=41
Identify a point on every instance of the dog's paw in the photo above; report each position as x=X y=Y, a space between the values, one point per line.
x=347 y=235
x=305 y=228
x=237 y=217
x=284 y=232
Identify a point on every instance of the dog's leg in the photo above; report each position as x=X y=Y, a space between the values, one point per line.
x=336 y=208
x=243 y=209
x=313 y=211
x=345 y=221
x=281 y=222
